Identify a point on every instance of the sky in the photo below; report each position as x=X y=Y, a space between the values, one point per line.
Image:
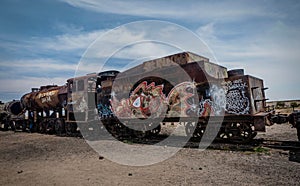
x=43 y=41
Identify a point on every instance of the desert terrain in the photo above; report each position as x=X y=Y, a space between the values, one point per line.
x=39 y=159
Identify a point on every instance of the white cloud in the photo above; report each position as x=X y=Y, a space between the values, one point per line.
x=188 y=10
x=26 y=83
x=143 y=39
x=68 y=28
x=272 y=55
x=22 y=75
x=38 y=65
x=67 y=42
x=207 y=31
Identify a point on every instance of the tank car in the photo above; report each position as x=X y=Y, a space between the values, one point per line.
x=11 y=116
x=44 y=109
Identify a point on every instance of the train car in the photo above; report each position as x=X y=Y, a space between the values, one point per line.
x=83 y=98
x=294 y=120
x=44 y=109
x=183 y=87
x=11 y=116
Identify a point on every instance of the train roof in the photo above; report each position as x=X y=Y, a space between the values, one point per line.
x=182 y=59
x=195 y=61
x=91 y=75
x=96 y=75
x=108 y=73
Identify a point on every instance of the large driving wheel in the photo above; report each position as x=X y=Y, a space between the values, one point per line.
x=50 y=126
x=71 y=128
x=190 y=129
x=238 y=132
x=59 y=127
x=155 y=131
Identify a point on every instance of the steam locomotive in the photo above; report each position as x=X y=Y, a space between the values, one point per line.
x=183 y=87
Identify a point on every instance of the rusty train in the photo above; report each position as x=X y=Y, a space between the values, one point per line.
x=183 y=87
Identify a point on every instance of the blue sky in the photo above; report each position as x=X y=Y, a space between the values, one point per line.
x=42 y=41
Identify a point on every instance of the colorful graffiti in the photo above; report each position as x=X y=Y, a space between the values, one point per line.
x=145 y=101
x=215 y=105
x=237 y=101
x=182 y=100
x=149 y=101
x=205 y=108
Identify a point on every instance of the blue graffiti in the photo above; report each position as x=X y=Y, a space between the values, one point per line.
x=104 y=111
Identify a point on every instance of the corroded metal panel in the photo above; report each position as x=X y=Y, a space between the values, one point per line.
x=245 y=95
x=13 y=107
x=179 y=60
x=257 y=94
x=215 y=70
x=47 y=98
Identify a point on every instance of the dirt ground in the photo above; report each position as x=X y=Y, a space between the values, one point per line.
x=38 y=159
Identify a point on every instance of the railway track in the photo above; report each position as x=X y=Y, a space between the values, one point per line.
x=284 y=145
x=221 y=145
x=180 y=141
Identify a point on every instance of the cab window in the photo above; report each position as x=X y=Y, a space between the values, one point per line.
x=80 y=84
x=72 y=87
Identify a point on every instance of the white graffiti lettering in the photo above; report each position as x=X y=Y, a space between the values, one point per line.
x=46 y=99
x=237 y=101
x=46 y=94
x=218 y=99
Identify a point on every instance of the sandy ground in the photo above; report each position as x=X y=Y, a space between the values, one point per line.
x=37 y=159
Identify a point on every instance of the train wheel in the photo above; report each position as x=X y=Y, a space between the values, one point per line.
x=155 y=131
x=140 y=134
x=223 y=135
x=6 y=125
x=111 y=129
x=50 y=126
x=119 y=130
x=298 y=132
x=199 y=131
x=59 y=127
x=71 y=128
x=239 y=132
x=246 y=132
x=190 y=129
x=41 y=127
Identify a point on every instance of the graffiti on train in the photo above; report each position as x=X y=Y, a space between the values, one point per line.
x=237 y=101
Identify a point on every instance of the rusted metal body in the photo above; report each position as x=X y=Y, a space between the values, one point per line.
x=81 y=98
x=244 y=94
x=294 y=120
x=245 y=98
x=156 y=89
x=42 y=108
x=49 y=97
x=183 y=86
x=14 y=107
x=11 y=115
